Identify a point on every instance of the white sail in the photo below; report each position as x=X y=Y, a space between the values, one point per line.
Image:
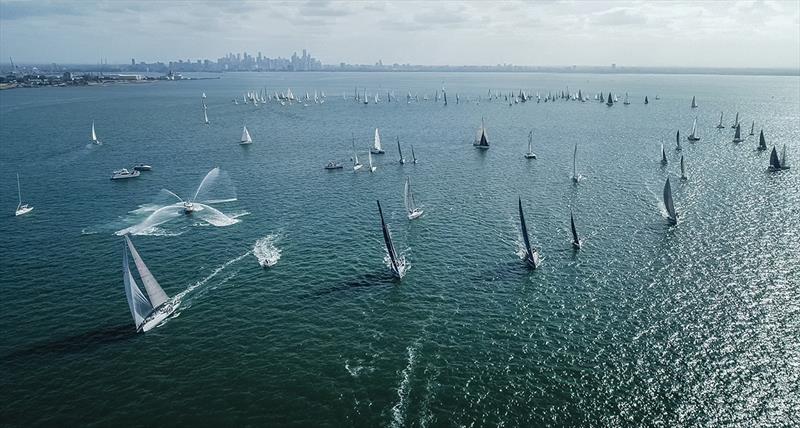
x=369 y=158
x=246 y=136
x=155 y=293
x=138 y=304
x=693 y=135
x=94 y=135
x=205 y=116
x=21 y=208
x=574 y=164
x=377 y=143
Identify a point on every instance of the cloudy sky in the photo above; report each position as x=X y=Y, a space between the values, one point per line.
x=759 y=33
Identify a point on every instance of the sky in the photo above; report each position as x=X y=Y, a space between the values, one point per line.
x=760 y=33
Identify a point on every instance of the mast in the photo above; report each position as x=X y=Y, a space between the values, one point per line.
x=574 y=156
x=19 y=192
x=530 y=141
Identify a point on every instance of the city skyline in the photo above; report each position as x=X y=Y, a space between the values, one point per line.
x=745 y=34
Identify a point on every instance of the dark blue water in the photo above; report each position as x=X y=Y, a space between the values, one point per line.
x=696 y=324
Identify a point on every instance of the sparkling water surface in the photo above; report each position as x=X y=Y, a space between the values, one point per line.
x=649 y=324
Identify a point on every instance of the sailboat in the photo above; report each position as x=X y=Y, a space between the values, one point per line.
x=413 y=155
x=482 y=142
x=366 y=100
x=663 y=156
x=400 y=152
x=397 y=264
x=205 y=117
x=752 y=128
x=575 y=176
x=203 y=96
x=356 y=164
x=246 y=137
x=736 y=122
x=778 y=163
x=21 y=208
x=672 y=216
x=762 y=143
x=531 y=255
x=693 y=136
x=530 y=154
x=694 y=102
x=645 y=100
x=576 y=243
x=737 y=136
x=610 y=102
x=376 y=145
x=411 y=205
x=149 y=310
x=720 y=125
x=95 y=140
x=369 y=159
x=683 y=170
x=678 y=141
x=626 y=102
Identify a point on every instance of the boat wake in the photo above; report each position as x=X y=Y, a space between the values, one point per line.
x=266 y=251
x=400 y=409
x=402 y=261
x=203 y=215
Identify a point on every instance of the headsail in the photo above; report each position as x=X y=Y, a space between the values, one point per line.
x=138 y=304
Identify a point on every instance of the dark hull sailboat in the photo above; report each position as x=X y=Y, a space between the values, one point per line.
x=672 y=215
x=762 y=143
x=775 y=162
x=482 y=142
x=397 y=265
x=678 y=141
x=576 y=243
x=737 y=137
x=531 y=255
x=610 y=102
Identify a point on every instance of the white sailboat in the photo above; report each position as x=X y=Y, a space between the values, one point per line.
x=205 y=117
x=411 y=205
x=369 y=159
x=149 y=310
x=21 y=208
x=626 y=102
x=95 y=140
x=575 y=177
x=672 y=215
x=693 y=136
x=720 y=125
x=245 y=137
x=684 y=177
x=356 y=164
x=530 y=154
x=376 y=144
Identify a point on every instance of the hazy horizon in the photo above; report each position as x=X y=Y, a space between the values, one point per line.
x=742 y=34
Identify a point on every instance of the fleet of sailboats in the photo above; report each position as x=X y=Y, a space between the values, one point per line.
x=148 y=310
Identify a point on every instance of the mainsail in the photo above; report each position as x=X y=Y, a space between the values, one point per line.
x=683 y=170
x=668 y=203
x=694 y=102
x=377 y=143
x=737 y=137
x=678 y=140
x=693 y=136
x=530 y=257
x=610 y=102
x=574 y=163
x=400 y=151
x=408 y=198
x=575 y=241
x=246 y=136
x=762 y=143
x=94 y=135
x=141 y=307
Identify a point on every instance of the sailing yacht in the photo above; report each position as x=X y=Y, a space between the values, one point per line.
x=626 y=102
x=356 y=164
x=376 y=144
x=663 y=156
x=245 y=137
x=530 y=154
x=413 y=156
x=720 y=125
x=366 y=100
x=411 y=205
x=124 y=173
x=683 y=170
x=762 y=143
x=736 y=122
x=21 y=208
x=531 y=254
x=397 y=264
x=575 y=176
x=95 y=140
x=400 y=152
x=205 y=116
x=672 y=215
x=482 y=142
x=678 y=141
x=576 y=243
x=694 y=102
x=369 y=159
x=203 y=96
x=693 y=136
x=610 y=102
x=149 y=310
x=752 y=128
x=777 y=163
x=645 y=100
x=737 y=136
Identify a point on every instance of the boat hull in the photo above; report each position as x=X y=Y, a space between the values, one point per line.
x=415 y=214
x=377 y=152
x=134 y=174
x=23 y=210
x=530 y=156
x=158 y=316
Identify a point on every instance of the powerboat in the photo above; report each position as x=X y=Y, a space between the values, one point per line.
x=333 y=165
x=124 y=173
x=142 y=167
